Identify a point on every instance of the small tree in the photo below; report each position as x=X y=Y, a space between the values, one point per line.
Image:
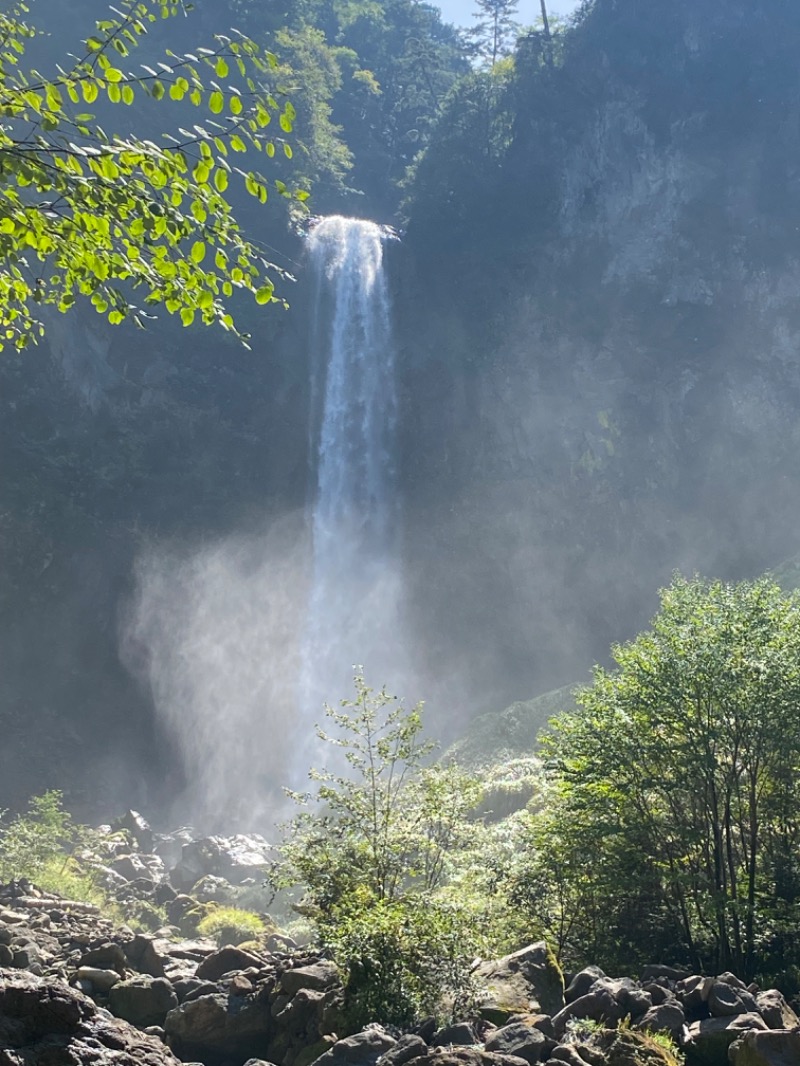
x=495 y=31
x=370 y=850
x=680 y=769
x=88 y=214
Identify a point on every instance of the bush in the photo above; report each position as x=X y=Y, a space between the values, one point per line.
x=230 y=925
x=372 y=850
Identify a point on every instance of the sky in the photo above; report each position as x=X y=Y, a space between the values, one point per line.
x=528 y=11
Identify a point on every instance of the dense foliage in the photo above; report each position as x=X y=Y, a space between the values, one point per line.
x=673 y=822
x=116 y=217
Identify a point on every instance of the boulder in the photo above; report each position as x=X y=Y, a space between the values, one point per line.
x=528 y=980
x=320 y=976
x=773 y=1048
x=217 y=1027
x=725 y=1000
x=142 y=1000
x=460 y=1033
x=520 y=1039
x=134 y=824
x=710 y=1038
x=598 y=1006
x=235 y=858
x=226 y=960
x=410 y=1046
x=665 y=1018
x=467 y=1056
x=582 y=982
x=775 y=1011
x=361 y=1049
x=47 y=1023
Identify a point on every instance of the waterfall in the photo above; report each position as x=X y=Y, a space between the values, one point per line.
x=355 y=595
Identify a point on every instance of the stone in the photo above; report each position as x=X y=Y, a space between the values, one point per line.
x=693 y=992
x=226 y=960
x=726 y=1000
x=47 y=1023
x=528 y=980
x=409 y=1046
x=6 y=955
x=457 y=1033
x=524 y=1041
x=598 y=1006
x=100 y=980
x=215 y=1027
x=133 y=823
x=466 y=1056
x=107 y=956
x=665 y=1018
x=319 y=976
x=710 y=1038
x=582 y=982
x=772 y=1048
x=235 y=858
x=775 y=1011
x=361 y=1049
x=567 y=1053
x=142 y=1000
x=670 y=973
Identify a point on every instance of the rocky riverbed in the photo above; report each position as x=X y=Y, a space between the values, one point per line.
x=77 y=988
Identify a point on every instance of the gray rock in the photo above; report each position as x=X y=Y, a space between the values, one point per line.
x=466 y=1056
x=567 y=1053
x=598 y=1005
x=665 y=1018
x=529 y=980
x=320 y=976
x=460 y=1033
x=226 y=960
x=693 y=992
x=215 y=1027
x=132 y=822
x=775 y=1048
x=775 y=1011
x=670 y=973
x=6 y=955
x=410 y=1046
x=726 y=1000
x=710 y=1038
x=142 y=1000
x=582 y=982
x=108 y=956
x=362 y=1049
x=524 y=1041
x=47 y=1023
x=100 y=980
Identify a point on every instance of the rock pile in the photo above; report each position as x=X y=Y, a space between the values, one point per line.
x=75 y=989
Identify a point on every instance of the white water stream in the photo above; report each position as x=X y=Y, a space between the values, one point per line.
x=356 y=584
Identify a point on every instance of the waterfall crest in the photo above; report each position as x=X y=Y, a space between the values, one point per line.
x=355 y=596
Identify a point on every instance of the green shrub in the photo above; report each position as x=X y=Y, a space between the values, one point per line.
x=373 y=851
x=230 y=925
x=37 y=840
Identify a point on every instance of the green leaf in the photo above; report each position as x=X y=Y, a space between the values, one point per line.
x=187 y=316
x=198 y=252
x=221 y=68
x=216 y=103
x=264 y=294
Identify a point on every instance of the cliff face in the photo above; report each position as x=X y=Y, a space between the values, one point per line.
x=618 y=394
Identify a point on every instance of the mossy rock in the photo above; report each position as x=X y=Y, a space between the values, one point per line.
x=528 y=980
x=625 y=1047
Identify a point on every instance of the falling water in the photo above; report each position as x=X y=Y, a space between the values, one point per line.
x=355 y=598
